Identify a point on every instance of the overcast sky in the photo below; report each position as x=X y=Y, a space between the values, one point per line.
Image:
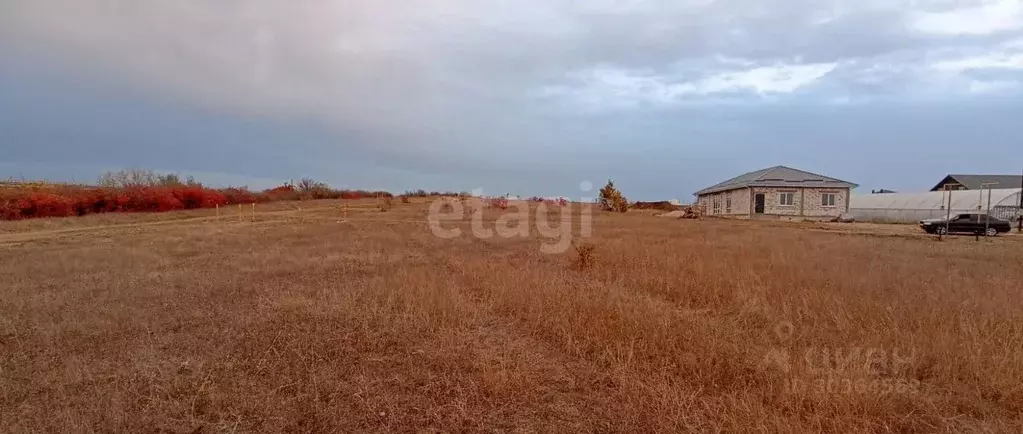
x=515 y=96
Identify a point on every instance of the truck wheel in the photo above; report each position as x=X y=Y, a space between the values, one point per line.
x=940 y=230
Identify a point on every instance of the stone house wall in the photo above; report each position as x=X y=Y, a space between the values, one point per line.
x=739 y=201
x=806 y=202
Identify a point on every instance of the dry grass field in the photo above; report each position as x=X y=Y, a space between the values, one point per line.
x=293 y=321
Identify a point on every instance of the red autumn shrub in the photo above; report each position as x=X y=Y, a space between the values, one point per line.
x=553 y=202
x=10 y=204
x=499 y=202
x=190 y=198
x=212 y=198
x=60 y=200
x=108 y=200
x=40 y=204
x=198 y=197
x=560 y=202
x=151 y=199
x=9 y=210
x=85 y=202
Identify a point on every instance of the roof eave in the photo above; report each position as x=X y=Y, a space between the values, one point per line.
x=719 y=189
x=841 y=184
x=943 y=182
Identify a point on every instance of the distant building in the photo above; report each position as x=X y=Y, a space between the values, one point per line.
x=882 y=191
x=975 y=182
x=777 y=191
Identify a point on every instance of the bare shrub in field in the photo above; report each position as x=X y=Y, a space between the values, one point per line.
x=238 y=195
x=133 y=177
x=611 y=199
x=405 y=199
x=137 y=178
x=309 y=189
x=559 y=202
x=585 y=256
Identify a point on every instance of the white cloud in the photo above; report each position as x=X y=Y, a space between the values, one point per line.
x=985 y=87
x=732 y=61
x=611 y=87
x=1016 y=43
x=989 y=61
x=765 y=79
x=877 y=72
x=992 y=16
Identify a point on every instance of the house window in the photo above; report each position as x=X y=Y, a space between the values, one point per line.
x=717 y=205
x=728 y=205
x=787 y=198
x=828 y=199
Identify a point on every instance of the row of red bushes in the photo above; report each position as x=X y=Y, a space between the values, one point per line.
x=21 y=204
x=17 y=203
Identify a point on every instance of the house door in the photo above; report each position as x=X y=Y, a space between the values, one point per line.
x=758 y=203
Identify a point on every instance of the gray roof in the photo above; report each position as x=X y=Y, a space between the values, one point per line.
x=777 y=176
x=973 y=182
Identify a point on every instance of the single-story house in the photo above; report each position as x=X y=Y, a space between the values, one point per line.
x=777 y=191
x=976 y=182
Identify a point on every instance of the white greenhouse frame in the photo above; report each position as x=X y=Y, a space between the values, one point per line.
x=911 y=207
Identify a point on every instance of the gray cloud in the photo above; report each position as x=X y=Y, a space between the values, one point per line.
x=485 y=86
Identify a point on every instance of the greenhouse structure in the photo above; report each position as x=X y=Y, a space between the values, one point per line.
x=912 y=207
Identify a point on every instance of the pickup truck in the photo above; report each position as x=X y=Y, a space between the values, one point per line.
x=971 y=223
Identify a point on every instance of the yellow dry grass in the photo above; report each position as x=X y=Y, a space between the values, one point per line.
x=296 y=322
